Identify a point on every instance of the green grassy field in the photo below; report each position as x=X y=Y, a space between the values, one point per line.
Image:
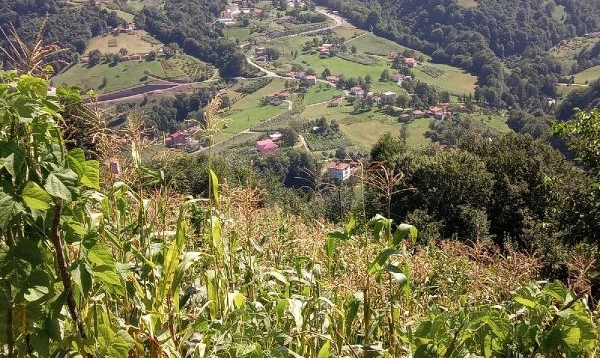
x=317 y=94
x=247 y=110
x=347 y=31
x=370 y=43
x=494 y=121
x=134 y=43
x=122 y=14
x=452 y=79
x=589 y=75
x=123 y=75
x=241 y=34
x=447 y=78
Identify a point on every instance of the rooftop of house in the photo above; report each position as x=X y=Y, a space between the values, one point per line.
x=338 y=166
x=266 y=144
x=389 y=93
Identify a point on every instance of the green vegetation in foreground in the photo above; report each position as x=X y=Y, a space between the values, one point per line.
x=120 y=76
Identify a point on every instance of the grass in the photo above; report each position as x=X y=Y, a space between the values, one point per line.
x=247 y=110
x=134 y=43
x=589 y=75
x=347 y=31
x=120 y=13
x=319 y=93
x=467 y=3
x=370 y=43
x=241 y=34
x=494 y=121
x=451 y=79
x=123 y=75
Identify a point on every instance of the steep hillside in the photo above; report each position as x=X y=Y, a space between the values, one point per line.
x=483 y=39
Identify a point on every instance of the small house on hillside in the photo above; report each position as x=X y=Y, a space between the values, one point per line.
x=332 y=79
x=340 y=171
x=417 y=113
x=410 y=61
x=357 y=91
x=310 y=80
x=177 y=139
x=389 y=97
x=266 y=146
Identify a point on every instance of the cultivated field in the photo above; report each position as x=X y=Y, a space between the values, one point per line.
x=187 y=68
x=138 y=41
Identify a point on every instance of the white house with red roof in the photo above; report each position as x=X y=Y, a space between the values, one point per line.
x=340 y=171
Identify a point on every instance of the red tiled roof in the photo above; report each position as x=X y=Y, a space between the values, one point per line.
x=338 y=166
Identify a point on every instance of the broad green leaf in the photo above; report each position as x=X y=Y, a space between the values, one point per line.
x=572 y=337
x=350 y=225
x=339 y=235
x=12 y=158
x=55 y=187
x=35 y=197
x=557 y=291
x=186 y=261
x=91 y=177
x=99 y=254
x=324 y=351
x=9 y=208
x=525 y=302
x=107 y=275
x=36 y=286
x=87 y=170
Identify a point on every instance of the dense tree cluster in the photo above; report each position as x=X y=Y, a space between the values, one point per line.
x=586 y=98
x=191 y=25
x=70 y=27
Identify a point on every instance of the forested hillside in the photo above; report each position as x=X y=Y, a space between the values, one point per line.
x=190 y=24
x=70 y=27
x=486 y=39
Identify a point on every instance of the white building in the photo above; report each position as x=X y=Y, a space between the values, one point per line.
x=339 y=171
